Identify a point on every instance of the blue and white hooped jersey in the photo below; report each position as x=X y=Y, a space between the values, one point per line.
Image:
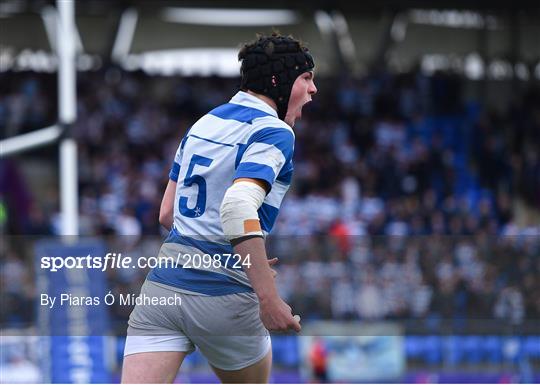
x=241 y=139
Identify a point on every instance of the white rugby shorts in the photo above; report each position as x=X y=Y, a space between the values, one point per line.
x=227 y=329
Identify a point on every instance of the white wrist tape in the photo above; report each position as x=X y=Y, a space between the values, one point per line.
x=239 y=210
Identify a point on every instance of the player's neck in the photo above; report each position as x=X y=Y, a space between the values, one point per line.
x=264 y=98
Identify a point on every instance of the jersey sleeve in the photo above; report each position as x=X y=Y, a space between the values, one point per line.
x=267 y=153
x=175 y=167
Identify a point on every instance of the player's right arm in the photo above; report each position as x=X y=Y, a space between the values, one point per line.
x=269 y=150
x=241 y=225
x=275 y=314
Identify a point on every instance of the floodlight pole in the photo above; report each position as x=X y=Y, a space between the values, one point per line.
x=67 y=113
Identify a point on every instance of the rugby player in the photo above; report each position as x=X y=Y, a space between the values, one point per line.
x=228 y=179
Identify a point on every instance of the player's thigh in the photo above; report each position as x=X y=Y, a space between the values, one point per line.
x=258 y=373
x=156 y=344
x=151 y=367
x=227 y=329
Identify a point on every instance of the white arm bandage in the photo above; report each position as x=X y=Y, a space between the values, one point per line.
x=238 y=210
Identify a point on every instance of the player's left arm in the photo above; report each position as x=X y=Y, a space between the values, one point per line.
x=167 y=205
x=166 y=211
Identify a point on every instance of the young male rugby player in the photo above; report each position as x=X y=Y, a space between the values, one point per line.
x=226 y=185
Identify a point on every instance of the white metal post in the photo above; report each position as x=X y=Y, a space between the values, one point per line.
x=67 y=113
x=25 y=142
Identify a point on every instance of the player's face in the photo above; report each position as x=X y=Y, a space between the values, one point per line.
x=302 y=90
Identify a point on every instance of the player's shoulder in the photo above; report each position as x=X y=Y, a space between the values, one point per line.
x=273 y=123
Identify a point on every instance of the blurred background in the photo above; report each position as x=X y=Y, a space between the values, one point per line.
x=410 y=239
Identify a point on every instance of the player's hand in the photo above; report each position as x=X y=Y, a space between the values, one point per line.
x=276 y=315
x=272 y=262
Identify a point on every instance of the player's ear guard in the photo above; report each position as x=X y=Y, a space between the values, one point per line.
x=238 y=212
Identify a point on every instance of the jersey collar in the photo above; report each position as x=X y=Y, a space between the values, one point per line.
x=245 y=99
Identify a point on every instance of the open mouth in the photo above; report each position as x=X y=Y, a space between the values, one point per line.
x=302 y=106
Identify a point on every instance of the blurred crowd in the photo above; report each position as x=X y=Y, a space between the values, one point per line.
x=437 y=277
x=407 y=200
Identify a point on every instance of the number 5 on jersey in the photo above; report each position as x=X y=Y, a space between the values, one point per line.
x=189 y=180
